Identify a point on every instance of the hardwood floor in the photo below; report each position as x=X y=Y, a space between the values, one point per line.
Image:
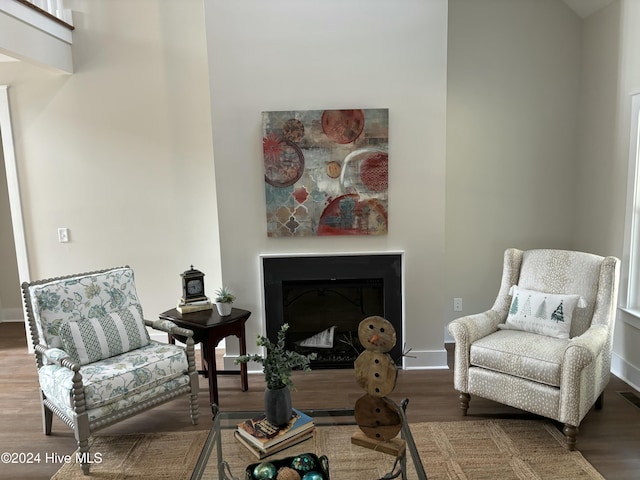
x=609 y=438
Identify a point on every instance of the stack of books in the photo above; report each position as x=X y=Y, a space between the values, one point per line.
x=263 y=439
x=189 y=307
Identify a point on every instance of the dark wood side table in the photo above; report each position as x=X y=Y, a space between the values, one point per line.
x=208 y=329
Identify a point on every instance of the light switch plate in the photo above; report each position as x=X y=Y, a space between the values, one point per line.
x=63 y=235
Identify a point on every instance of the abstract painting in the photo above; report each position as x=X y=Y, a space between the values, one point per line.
x=326 y=172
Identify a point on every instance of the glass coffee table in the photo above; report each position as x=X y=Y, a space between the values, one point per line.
x=224 y=458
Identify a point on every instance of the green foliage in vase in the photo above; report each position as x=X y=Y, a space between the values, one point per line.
x=279 y=362
x=223 y=295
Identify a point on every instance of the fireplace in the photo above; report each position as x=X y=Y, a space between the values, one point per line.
x=328 y=296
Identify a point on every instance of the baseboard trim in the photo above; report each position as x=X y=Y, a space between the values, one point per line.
x=11 y=315
x=416 y=360
x=625 y=371
x=228 y=363
x=425 y=360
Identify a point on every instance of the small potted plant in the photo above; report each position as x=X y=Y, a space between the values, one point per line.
x=277 y=367
x=224 y=301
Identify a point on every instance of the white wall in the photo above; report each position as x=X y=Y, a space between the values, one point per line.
x=121 y=152
x=10 y=299
x=512 y=132
x=601 y=176
x=614 y=73
x=305 y=54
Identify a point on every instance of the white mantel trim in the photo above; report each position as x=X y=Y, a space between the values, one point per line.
x=332 y=254
x=263 y=328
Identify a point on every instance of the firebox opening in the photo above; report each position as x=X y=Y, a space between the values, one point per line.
x=323 y=316
x=322 y=295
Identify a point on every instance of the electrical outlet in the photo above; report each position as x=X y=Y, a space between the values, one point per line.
x=63 y=235
x=457 y=304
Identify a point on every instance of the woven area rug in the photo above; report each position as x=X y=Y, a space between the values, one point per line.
x=465 y=450
x=152 y=456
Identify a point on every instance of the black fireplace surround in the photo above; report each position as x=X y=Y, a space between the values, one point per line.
x=312 y=293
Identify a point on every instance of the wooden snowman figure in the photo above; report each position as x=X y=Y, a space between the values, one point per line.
x=378 y=417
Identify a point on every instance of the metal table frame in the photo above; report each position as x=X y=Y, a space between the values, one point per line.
x=214 y=441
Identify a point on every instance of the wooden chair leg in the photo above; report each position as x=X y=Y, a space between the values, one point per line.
x=47 y=419
x=83 y=456
x=570 y=433
x=600 y=402
x=82 y=434
x=194 y=408
x=464 y=402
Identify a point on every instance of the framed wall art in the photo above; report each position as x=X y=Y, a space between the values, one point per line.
x=326 y=172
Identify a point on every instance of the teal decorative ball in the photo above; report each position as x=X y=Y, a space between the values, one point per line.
x=303 y=463
x=264 y=471
x=313 y=476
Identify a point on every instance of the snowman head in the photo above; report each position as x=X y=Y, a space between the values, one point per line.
x=377 y=334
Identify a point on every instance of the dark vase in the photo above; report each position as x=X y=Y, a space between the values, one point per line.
x=277 y=405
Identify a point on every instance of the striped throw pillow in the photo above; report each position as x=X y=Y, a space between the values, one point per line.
x=93 y=339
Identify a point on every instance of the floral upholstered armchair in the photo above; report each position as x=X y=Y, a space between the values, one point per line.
x=545 y=345
x=96 y=362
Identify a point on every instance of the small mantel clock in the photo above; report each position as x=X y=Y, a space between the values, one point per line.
x=193 y=286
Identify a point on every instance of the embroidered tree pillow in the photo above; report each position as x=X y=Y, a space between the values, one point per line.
x=538 y=312
x=92 y=339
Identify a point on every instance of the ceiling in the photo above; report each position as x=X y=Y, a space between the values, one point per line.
x=584 y=8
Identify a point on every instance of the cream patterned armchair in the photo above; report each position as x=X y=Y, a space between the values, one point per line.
x=545 y=345
x=96 y=362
